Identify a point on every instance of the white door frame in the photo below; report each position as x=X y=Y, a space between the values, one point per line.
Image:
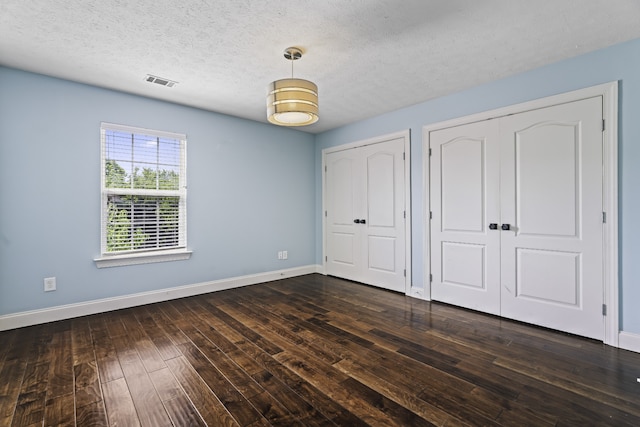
x=406 y=136
x=609 y=93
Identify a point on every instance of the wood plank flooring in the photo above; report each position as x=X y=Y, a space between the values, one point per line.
x=310 y=351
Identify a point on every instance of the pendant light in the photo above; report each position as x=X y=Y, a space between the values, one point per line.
x=292 y=102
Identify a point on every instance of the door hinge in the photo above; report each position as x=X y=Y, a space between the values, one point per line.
x=604 y=217
x=405 y=214
x=603 y=125
x=405 y=272
x=604 y=309
x=430 y=215
x=325 y=214
x=429 y=152
x=431 y=278
x=326 y=259
x=325 y=168
x=403 y=156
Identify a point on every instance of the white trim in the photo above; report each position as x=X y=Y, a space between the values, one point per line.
x=407 y=206
x=426 y=213
x=323 y=213
x=35 y=317
x=406 y=135
x=180 y=193
x=416 y=292
x=142 y=258
x=609 y=93
x=629 y=341
x=610 y=202
x=563 y=98
x=143 y=131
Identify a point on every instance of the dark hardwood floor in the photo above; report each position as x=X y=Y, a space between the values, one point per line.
x=310 y=351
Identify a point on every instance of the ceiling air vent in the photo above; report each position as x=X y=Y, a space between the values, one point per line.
x=160 y=80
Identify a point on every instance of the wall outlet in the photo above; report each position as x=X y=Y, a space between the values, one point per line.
x=285 y=254
x=280 y=255
x=49 y=284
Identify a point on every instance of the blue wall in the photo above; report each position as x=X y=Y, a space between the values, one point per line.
x=250 y=193
x=254 y=189
x=620 y=62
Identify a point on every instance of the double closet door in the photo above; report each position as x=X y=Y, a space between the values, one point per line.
x=365 y=217
x=517 y=222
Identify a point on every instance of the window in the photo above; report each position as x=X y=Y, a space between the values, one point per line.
x=143 y=195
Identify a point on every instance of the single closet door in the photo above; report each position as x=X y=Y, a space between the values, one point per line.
x=365 y=227
x=551 y=198
x=465 y=202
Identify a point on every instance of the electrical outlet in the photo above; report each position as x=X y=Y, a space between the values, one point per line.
x=285 y=254
x=280 y=255
x=49 y=284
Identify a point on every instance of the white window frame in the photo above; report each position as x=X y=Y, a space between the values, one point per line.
x=151 y=255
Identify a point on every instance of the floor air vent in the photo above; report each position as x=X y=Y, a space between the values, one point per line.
x=160 y=80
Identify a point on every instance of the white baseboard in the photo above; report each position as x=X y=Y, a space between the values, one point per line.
x=416 y=292
x=52 y=314
x=629 y=341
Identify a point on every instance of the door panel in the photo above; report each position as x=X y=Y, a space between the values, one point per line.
x=382 y=254
x=546 y=175
x=464 y=200
x=367 y=183
x=342 y=191
x=473 y=257
x=344 y=246
x=462 y=171
x=552 y=257
x=380 y=189
x=548 y=276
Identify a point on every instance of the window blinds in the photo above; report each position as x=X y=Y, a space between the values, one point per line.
x=143 y=189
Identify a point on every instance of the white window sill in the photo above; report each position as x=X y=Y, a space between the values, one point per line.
x=142 y=258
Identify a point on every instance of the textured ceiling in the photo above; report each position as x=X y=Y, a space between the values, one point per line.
x=366 y=56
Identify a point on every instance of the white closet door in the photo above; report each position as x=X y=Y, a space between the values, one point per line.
x=344 y=200
x=537 y=175
x=383 y=242
x=551 y=191
x=365 y=214
x=465 y=251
